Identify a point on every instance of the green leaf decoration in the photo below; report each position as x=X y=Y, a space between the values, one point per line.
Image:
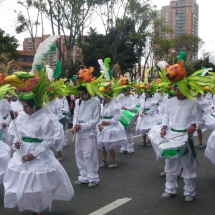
x=99 y=79
x=57 y=71
x=198 y=72
x=201 y=79
x=196 y=86
x=182 y=85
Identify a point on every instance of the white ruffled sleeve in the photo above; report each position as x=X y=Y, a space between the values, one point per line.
x=116 y=116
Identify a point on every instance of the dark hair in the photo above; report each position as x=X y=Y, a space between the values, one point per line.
x=30 y=103
x=82 y=88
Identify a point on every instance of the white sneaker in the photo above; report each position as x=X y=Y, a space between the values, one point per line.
x=148 y=144
x=103 y=164
x=121 y=151
x=92 y=184
x=162 y=174
x=78 y=182
x=112 y=165
x=166 y=195
x=189 y=198
x=200 y=146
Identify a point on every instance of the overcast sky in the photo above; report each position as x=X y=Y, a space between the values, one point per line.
x=206 y=21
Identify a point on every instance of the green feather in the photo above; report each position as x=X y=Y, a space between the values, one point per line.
x=57 y=71
x=182 y=56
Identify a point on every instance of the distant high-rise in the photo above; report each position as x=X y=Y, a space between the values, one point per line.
x=184 y=17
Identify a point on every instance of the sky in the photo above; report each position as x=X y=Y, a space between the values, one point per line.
x=206 y=23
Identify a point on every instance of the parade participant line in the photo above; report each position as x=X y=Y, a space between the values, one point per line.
x=111 y=206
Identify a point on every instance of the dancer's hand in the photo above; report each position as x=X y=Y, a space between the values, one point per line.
x=73 y=131
x=145 y=113
x=77 y=127
x=100 y=127
x=3 y=125
x=163 y=132
x=105 y=123
x=123 y=108
x=28 y=157
x=192 y=129
x=17 y=145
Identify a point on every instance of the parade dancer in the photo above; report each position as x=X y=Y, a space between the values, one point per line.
x=127 y=102
x=148 y=117
x=86 y=117
x=111 y=132
x=42 y=179
x=182 y=116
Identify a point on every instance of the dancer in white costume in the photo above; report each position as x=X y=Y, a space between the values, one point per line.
x=148 y=117
x=5 y=119
x=181 y=115
x=86 y=117
x=44 y=180
x=65 y=111
x=111 y=132
x=127 y=102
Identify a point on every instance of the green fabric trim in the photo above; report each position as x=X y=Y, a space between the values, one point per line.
x=180 y=131
x=31 y=140
x=146 y=109
x=106 y=117
x=213 y=115
x=81 y=122
x=5 y=117
x=159 y=123
x=0 y=136
x=172 y=153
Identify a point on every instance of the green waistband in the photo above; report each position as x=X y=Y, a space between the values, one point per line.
x=146 y=109
x=4 y=118
x=0 y=136
x=213 y=115
x=106 y=117
x=180 y=131
x=31 y=140
x=81 y=122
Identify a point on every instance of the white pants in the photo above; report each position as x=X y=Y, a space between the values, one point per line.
x=86 y=153
x=65 y=134
x=6 y=137
x=129 y=147
x=173 y=168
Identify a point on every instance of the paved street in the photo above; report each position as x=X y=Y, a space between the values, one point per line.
x=136 y=177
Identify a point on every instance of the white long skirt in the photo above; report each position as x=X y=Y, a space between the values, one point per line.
x=112 y=136
x=146 y=122
x=4 y=159
x=34 y=189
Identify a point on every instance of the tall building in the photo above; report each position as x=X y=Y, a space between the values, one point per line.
x=184 y=17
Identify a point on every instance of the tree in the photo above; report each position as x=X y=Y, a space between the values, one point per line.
x=8 y=45
x=67 y=18
x=25 y=23
x=188 y=43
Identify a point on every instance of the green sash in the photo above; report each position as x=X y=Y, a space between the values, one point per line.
x=180 y=131
x=5 y=117
x=81 y=122
x=0 y=136
x=106 y=117
x=146 y=109
x=31 y=140
x=213 y=115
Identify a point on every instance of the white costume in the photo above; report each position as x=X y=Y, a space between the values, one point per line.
x=86 y=144
x=208 y=120
x=65 y=110
x=130 y=103
x=5 y=118
x=53 y=111
x=210 y=149
x=114 y=134
x=4 y=159
x=146 y=122
x=179 y=115
x=16 y=106
x=45 y=179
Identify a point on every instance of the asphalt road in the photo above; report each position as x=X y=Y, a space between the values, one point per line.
x=136 y=177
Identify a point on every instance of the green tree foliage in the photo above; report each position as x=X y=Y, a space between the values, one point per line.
x=8 y=45
x=188 y=43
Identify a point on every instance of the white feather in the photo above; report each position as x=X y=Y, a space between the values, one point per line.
x=162 y=64
x=50 y=72
x=103 y=68
x=43 y=48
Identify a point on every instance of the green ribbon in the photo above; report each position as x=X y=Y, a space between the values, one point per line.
x=213 y=115
x=81 y=122
x=146 y=109
x=159 y=123
x=180 y=131
x=0 y=136
x=31 y=140
x=107 y=117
